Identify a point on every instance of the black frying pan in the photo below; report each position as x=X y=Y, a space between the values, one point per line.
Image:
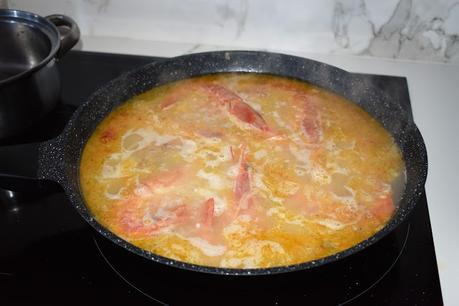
x=58 y=160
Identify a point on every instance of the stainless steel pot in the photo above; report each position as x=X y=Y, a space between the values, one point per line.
x=29 y=80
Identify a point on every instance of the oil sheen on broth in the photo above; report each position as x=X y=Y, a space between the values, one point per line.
x=241 y=171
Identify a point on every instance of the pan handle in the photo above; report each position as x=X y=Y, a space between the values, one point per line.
x=27 y=166
x=19 y=161
x=18 y=167
x=51 y=160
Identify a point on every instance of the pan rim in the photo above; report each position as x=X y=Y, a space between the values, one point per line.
x=78 y=202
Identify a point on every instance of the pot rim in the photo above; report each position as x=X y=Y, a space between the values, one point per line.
x=37 y=22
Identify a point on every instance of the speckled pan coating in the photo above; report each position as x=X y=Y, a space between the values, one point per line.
x=60 y=158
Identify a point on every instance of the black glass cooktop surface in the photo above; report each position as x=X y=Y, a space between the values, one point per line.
x=51 y=256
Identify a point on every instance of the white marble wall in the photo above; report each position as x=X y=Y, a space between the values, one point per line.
x=407 y=29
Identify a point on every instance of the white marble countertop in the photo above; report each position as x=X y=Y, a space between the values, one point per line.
x=434 y=92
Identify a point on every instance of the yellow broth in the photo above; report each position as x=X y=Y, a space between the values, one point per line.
x=241 y=171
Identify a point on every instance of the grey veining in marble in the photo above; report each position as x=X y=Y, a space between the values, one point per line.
x=240 y=16
x=425 y=30
x=416 y=29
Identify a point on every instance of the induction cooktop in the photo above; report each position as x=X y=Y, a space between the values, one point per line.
x=51 y=256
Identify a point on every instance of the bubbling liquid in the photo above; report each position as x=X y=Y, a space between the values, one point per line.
x=241 y=171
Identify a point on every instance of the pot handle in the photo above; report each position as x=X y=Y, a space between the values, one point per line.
x=68 y=30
